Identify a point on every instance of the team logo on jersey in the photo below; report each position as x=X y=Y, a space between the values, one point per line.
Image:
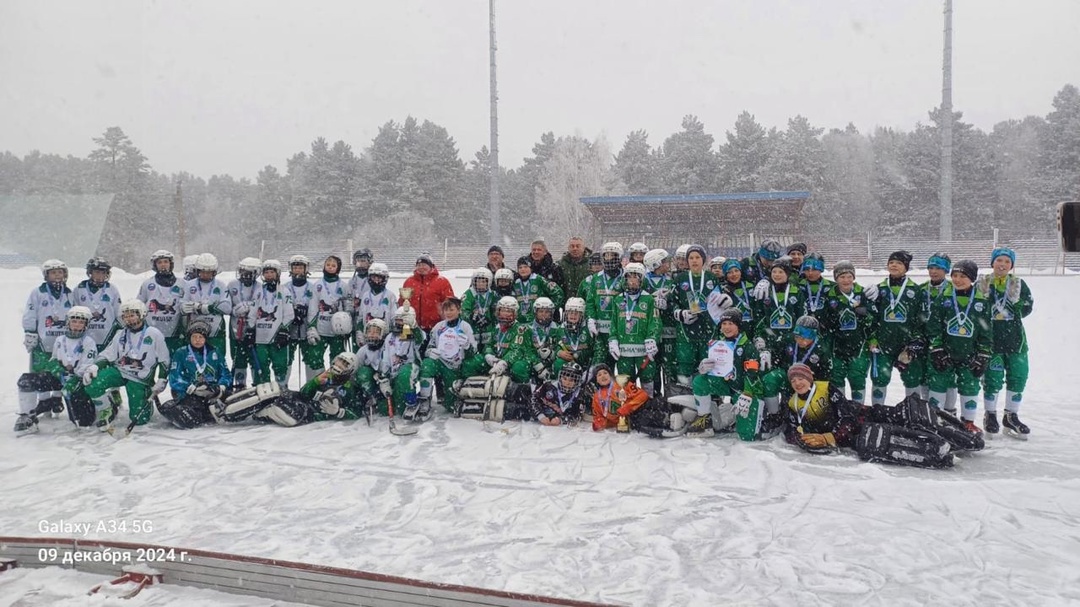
x=151 y=287
x=978 y=306
x=911 y=294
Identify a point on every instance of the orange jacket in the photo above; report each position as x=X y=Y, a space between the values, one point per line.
x=428 y=294
x=609 y=403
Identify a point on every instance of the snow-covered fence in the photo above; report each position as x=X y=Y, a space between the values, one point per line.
x=1032 y=255
x=269 y=578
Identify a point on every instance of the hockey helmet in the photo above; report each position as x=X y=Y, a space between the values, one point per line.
x=680 y=253
x=157 y=256
x=199 y=327
x=479 y=274
x=571 y=373
x=99 y=264
x=509 y=305
x=341 y=323
x=54 y=264
x=82 y=313
x=717 y=261
x=206 y=262
x=375 y=331
x=136 y=307
x=654 y=259
x=343 y=364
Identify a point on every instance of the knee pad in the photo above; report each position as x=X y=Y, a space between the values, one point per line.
x=290 y=409
x=245 y=403
x=889 y=444
x=188 y=412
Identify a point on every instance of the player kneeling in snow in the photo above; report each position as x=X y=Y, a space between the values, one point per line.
x=60 y=377
x=129 y=361
x=559 y=402
x=198 y=378
x=452 y=343
x=730 y=372
x=614 y=402
x=334 y=391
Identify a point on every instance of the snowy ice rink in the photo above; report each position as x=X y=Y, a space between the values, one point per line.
x=572 y=513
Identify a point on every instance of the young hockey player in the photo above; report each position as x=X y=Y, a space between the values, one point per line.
x=808 y=347
x=198 y=368
x=776 y=315
x=378 y=300
x=573 y=342
x=103 y=299
x=190 y=273
x=848 y=321
x=813 y=286
x=636 y=252
x=327 y=325
x=60 y=377
x=242 y=290
x=899 y=334
x=615 y=400
x=401 y=362
x=602 y=291
x=680 y=258
x=961 y=340
x=452 y=343
x=740 y=293
x=596 y=265
x=938 y=267
x=545 y=336
x=1011 y=302
x=560 y=402
x=45 y=313
x=369 y=362
x=504 y=283
x=730 y=369
x=756 y=268
x=301 y=293
x=693 y=288
x=267 y=326
x=207 y=299
x=129 y=361
x=658 y=283
x=510 y=348
x=797 y=252
x=529 y=287
x=163 y=295
x=716 y=266
x=358 y=284
x=334 y=391
x=635 y=329
x=478 y=305
x=819 y=419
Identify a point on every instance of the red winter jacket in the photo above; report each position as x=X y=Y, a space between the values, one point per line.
x=428 y=294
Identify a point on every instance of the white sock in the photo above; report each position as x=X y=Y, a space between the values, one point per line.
x=990 y=402
x=971 y=407
x=950 y=399
x=704 y=403
x=937 y=399
x=1013 y=400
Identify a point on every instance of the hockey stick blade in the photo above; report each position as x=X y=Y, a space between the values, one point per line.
x=402 y=430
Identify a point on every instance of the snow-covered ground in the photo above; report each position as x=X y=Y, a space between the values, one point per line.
x=572 y=513
x=56 y=587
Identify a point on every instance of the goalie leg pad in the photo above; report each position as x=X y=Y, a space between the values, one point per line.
x=81 y=410
x=956 y=433
x=245 y=403
x=188 y=412
x=912 y=412
x=290 y=409
x=889 y=444
x=39 y=393
x=653 y=414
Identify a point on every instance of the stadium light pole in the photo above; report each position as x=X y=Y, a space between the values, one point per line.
x=494 y=203
x=945 y=193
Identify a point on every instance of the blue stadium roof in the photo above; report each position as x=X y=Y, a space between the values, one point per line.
x=695 y=198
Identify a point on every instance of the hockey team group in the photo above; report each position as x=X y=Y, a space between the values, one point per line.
x=667 y=345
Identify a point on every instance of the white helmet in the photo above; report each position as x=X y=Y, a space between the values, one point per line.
x=504 y=274
x=341 y=323
x=406 y=315
x=654 y=259
x=78 y=312
x=635 y=268
x=638 y=247
x=611 y=247
x=717 y=261
x=343 y=364
x=509 y=304
x=543 y=303
x=133 y=305
x=299 y=259
x=379 y=269
x=575 y=304
x=680 y=253
x=206 y=262
x=53 y=264
x=480 y=274
x=379 y=325
x=272 y=264
x=159 y=255
x=189 y=263
x=248 y=264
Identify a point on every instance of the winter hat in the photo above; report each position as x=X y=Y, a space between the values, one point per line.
x=814 y=261
x=426 y=259
x=967 y=268
x=700 y=250
x=769 y=249
x=939 y=260
x=601 y=367
x=843 y=267
x=524 y=260
x=731 y=264
x=807 y=327
x=903 y=257
x=784 y=263
x=1006 y=251
x=496 y=249
x=800 y=370
x=798 y=246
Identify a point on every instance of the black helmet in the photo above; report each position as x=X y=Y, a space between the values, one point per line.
x=573 y=371
x=98 y=263
x=199 y=327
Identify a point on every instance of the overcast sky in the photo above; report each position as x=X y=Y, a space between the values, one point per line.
x=229 y=87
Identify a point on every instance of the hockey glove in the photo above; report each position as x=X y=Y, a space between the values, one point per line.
x=1012 y=292
x=940 y=358
x=91 y=373
x=760 y=345
x=249 y=336
x=978 y=364
x=871 y=292
x=30 y=341
x=281 y=340
x=651 y=349
x=719 y=299
x=761 y=290
x=299 y=315
x=241 y=309
x=545 y=353
x=189 y=307
x=766 y=360
x=312 y=336
x=205 y=308
x=983 y=286
x=686 y=317
x=705 y=366
x=742 y=406
x=591 y=323
x=613 y=349
x=542 y=372
x=192 y=388
x=385 y=388
x=660 y=297
x=330 y=404
x=817 y=441
x=499 y=368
